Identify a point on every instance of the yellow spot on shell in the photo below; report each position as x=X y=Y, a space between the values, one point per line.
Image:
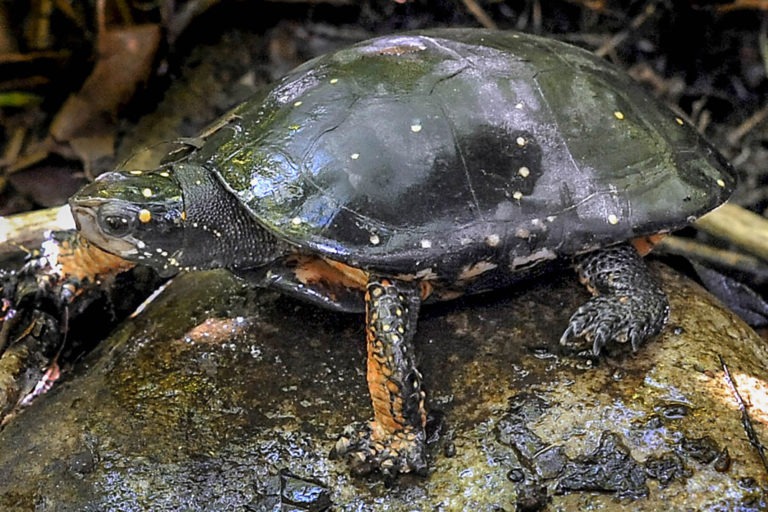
x=721 y=183
x=612 y=219
x=297 y=104
x=618 y=115
x=517 y=195
x=524 y=172
x=334 y=80
x=521 y=141
x=416 y=127
x=375 y=240
x=136 y=173
x=296 y=221
x=184 y=215
x=165 y=174
x=145 y=216
x=147 y=192
x=679 y=121
x=354 y=156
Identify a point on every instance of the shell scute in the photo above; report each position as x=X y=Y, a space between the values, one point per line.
x=408 y=152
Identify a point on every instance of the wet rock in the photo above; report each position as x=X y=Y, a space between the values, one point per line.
x=290 y=492
x=704 y=450
x=666 y=468
x=219 y=397
x=610 y=468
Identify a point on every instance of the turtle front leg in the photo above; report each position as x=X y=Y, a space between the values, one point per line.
x=629 y=306
x=395 y=441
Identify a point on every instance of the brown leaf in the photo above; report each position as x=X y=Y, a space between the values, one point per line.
x=124 y=62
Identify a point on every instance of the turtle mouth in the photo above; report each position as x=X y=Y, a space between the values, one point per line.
x=86 y=218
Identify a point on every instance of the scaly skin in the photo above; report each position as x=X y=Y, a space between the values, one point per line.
x=629 y=306
x=395 y=441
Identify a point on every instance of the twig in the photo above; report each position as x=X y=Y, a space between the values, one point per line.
x=746 y=421
x=622 y=35
x=739 y=226
x=28 y=229
x=748 y=125
x=713 y=257
x=480 y=15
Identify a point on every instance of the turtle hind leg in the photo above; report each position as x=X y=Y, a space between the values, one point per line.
x=395 y=441
x=628 y=306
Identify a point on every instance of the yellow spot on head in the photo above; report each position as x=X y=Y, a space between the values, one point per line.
x=520 y=141
x=165 y=174
x=147 y=192
x=294 y=127
x=296 y=221
x=416 y=127
x=524 y=172
x=612 y=219
x=375 y=240
x=679 y=121
x=136 y=173
x=145 y=216
x=297 y=104
x=618 y=115
x=721 y=183
x=354 y=156
x=517 y=195
x=519 y=106
x=334 y=80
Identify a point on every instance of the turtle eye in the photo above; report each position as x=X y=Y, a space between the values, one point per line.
x=116 y=225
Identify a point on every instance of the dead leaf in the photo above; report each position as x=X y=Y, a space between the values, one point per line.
x=124 y=61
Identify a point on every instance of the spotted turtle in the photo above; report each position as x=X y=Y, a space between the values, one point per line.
x=419 y=167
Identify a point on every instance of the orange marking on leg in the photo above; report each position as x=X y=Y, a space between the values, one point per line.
x=351 y=274
x=426 y=289
x=386 y=410
x=645 y=244
x=310 y=269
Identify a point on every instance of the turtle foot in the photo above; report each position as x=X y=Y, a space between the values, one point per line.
x=616 y=318
x=368 y=449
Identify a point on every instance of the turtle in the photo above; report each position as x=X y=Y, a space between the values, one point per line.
x=418 y=167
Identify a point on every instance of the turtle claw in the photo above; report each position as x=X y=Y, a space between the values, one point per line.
x=366 y=450
x=613 y=318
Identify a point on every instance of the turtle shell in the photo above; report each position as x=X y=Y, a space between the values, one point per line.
x=427 y=151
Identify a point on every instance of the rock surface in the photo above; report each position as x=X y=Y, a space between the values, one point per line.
x=219 y=397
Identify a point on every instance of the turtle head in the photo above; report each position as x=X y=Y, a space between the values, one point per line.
x=137 y=215
x=178 y=217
